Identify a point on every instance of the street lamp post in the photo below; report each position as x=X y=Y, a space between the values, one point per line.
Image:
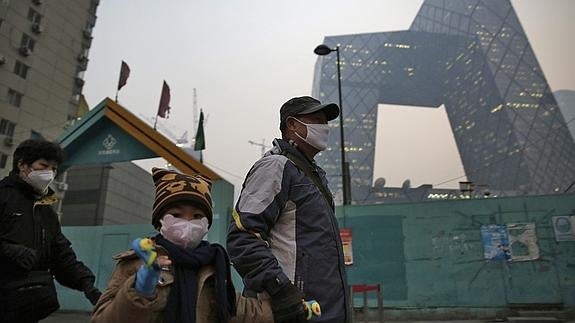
x=323 y=50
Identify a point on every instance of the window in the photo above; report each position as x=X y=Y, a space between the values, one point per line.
x=27 y=42
x=21 y=69
x=34 y=16
x=3 y=160
x=7 y=127
x=14 y=97
x=36 y=19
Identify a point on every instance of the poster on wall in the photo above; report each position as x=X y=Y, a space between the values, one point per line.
x=495 y=242
x=522 y=241
x=346 y=239
x=564 y=227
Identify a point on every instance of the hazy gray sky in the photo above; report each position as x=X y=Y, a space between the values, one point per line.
x=246 y=58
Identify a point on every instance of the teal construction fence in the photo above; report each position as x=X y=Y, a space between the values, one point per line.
x=425 y=255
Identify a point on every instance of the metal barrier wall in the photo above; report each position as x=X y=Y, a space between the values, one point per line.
x=423 y=255
x=431 y=254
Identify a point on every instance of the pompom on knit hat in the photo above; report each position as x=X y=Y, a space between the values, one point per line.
x=172 y=187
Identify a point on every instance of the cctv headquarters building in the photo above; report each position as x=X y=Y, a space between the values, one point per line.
x=472 y=57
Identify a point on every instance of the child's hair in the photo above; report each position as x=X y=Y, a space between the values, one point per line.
x=31 y=150
x=173 y=187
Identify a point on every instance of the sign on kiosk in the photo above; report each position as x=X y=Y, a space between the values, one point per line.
x=346 y=240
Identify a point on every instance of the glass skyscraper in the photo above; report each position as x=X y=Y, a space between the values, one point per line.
x=473 y=57
x=566 y=101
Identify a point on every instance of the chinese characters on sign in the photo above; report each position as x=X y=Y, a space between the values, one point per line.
x=109 y=143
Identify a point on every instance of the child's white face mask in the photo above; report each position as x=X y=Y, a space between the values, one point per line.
x=184 y=233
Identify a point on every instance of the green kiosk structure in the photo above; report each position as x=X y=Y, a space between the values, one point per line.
x=108 y=134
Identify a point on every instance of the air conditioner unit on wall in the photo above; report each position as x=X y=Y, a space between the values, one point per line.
x=82 y=58
x=8 y=141
x=83 y=66
x=87 y=33
x=37 y=28
x=79 y=81
x=25 y=51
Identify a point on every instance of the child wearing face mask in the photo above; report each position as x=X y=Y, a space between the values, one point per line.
x=190 y=279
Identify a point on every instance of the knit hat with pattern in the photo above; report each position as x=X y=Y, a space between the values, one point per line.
x=172 y=187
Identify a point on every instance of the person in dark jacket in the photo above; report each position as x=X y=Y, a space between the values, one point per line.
x=284 y=239
x=33 y=250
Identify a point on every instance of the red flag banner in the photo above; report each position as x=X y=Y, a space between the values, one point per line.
x=124 y=74
x=164 y=108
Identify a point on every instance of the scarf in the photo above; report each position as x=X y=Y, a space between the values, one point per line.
x=181 y=304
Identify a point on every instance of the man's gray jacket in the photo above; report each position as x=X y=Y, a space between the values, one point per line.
x=284 y=230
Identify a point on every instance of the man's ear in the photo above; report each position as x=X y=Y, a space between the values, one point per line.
x=290 y=124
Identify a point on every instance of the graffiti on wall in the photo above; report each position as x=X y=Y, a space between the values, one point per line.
x=445 y=243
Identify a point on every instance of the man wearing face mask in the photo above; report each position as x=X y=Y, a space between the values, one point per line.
x=32 y=247
x=284 y=238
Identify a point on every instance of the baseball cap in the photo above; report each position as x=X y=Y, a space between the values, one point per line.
x=306 y=105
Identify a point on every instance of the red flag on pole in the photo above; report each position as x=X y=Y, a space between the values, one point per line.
x=164 y=108
x=124 y=74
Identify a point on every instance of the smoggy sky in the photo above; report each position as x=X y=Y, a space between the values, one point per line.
x=246 y=58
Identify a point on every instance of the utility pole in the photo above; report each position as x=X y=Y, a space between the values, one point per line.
x=263 y=145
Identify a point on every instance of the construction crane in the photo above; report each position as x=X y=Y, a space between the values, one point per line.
x=263 y=146
x=179 y=140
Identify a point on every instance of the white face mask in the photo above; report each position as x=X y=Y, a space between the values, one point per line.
x=317 y=135
x=40 y=179
x=184 y=233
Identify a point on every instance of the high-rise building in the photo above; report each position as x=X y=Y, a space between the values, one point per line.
x=107 y=194
x=474 y=58
x=43 y=55
x=566 y=101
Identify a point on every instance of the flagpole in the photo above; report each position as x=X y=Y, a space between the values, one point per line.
x=117 y=91
x=155 y=122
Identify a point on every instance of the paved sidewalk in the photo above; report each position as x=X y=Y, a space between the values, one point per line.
x=67 y=317
x=71 y=317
